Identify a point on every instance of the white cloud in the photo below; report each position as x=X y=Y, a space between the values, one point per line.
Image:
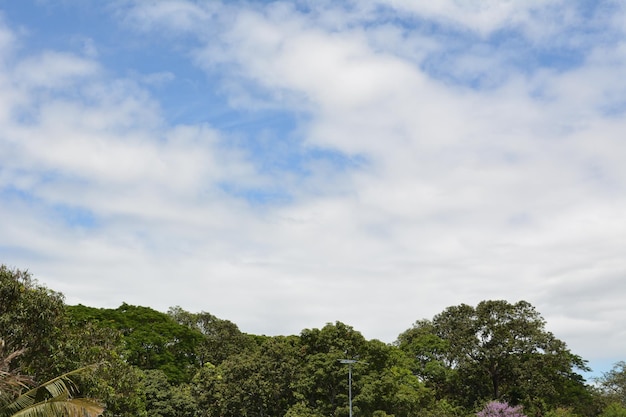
x=53 y=70
x=488 y=181
x=7 y=39
x=460 y=194
x=535 y=17
x=177 y=15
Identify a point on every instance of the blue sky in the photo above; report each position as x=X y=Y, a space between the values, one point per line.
x=287 y=164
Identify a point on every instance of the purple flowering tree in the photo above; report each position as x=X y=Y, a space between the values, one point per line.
x=499 y=409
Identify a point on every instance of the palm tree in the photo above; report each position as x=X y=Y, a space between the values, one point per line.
x=55 y=398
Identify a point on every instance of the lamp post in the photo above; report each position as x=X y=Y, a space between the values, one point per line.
x=350 y=362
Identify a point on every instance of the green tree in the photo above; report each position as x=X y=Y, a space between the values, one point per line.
x=207 y=387
x=443 y=408
x=55 y=398
x=221 y=338
x=164 y=399
x=496 y=351
x=116 y=382
x=613 y=383
x=323 y=385
x=119 y=386
x=35 y=323
x=429 y=351
x=152 y=340
x=301 y=410
x=31 y=318
x=387 y=384
x=259 y=382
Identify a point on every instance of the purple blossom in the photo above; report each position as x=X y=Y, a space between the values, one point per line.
x=498 y=409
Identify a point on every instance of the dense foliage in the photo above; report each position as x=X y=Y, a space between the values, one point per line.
x=31 y=318
x=496 y=351
x=54 y=398
x=496 y=357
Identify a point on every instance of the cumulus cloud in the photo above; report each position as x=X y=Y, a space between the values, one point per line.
x=457 y=175
x=53 y=70
x=430 y=169
x=178 y=15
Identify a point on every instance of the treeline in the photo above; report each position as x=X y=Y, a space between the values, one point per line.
x=183 y=364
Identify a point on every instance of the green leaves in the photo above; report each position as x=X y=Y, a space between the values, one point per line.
x=31 y=318
x=152 y=340
x=613 y=383
x=52 y=399
x=60 y=407
x=496 y=350
x=183 y=364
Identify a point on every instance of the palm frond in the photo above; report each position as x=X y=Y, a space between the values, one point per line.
x=51 y=398
x=75 y=407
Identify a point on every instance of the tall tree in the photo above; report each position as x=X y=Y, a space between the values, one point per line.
x=496 y=351
x=221 y=338
x=323 y=385
x=255 y=383
x=31 y=318
x=387 y=385
x=153 y=340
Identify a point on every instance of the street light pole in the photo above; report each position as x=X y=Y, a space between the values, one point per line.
x=350 y=362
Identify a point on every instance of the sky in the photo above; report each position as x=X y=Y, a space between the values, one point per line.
x=286 y=164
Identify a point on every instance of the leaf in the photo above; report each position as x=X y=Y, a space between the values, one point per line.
x=76 y=407
x=53 y=398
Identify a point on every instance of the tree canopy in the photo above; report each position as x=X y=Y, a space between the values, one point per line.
x=495 y=351
x=153 y=340
x=183 y=364
x=32 y=319
x=613 y=385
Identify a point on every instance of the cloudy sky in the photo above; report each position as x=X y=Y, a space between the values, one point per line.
x=291 y=163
